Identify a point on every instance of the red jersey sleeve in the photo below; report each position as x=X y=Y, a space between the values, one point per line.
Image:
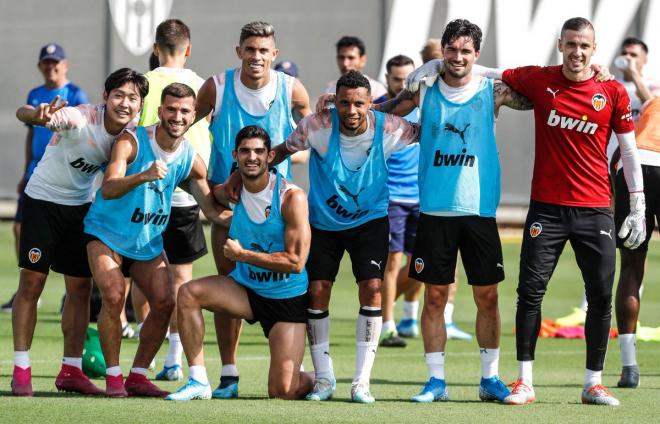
x=521 y=79
x=622 y=117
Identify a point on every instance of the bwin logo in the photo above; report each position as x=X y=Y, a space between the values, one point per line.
x=146 y=218
x=575 y=124
x=88 y=168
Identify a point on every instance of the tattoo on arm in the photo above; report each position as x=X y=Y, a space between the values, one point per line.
x=391 y=104
x=504 y=95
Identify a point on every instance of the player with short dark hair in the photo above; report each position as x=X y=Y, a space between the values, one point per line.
x=269 y=240
x=57 y=198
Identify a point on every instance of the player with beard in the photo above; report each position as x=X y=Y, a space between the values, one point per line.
x=124 y=231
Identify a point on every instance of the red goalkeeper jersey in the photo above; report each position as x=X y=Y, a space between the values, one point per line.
x=573 y=123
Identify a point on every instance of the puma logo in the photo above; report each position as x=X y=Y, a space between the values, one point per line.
x=554 y=93
x=256 y=247
x=376 y=264
x=351 y=195
x=153 y=187
x=461 y=133
x=608 y=233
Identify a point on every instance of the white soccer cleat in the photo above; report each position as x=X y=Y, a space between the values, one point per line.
x=520 y=394
x=360 y=393
x=598 y=395
x=324 y=389
x=192 y=390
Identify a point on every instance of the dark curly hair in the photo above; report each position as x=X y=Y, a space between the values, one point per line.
x=353 y=79
x=462 y=28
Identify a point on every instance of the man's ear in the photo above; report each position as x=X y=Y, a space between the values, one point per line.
x=271 y=156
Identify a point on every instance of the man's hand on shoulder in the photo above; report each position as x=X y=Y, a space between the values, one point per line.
x=428 y=73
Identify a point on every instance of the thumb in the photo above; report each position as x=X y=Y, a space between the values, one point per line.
x=625 y=229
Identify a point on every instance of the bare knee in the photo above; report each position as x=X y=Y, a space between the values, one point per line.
x=486 y=299
x=164 y=305
x=31 y=285
x=435 y=299
x=186 y=297
x=113 y=299
x=370 y=292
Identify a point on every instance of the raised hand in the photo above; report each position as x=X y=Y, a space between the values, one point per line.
x=43 y=113
x=157 y=171
x=324 y=101
x=232 y=249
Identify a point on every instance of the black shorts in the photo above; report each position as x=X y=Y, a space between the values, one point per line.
x=622 y=203
x=18 y=218
x=126 y=263
x=547 y=229
x=440 y=238
x=183 y=238
x=269 y=312
x=52 y=238
x=403 y=226
x=367 y=245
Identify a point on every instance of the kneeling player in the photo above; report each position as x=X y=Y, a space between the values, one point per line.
x=125 y=226
x=269 y=283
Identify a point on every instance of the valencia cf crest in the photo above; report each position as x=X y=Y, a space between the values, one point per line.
x=34 y=255
x=267 y=211
x=535 y=229
x=419 y=265
x=136 y=20
x=598 y=101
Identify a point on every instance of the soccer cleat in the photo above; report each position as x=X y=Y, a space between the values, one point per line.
x=139 y=385
x=455 y=333
x=114 y=386
x=629 y=377
x=228 y=388
x=21 y=382
x=127 y=331
x=392 y=339
x=493 y=389
x=577 y=317
x=173 y=373
x=324 y=389
x=598 y=395
x=360 y=393
x=6 y=307
x=192 y=390
x=521 y=394
x=434 y=389
x=408 y=328
x=72 y=379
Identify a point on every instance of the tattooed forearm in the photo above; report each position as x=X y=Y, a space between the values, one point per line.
x=504 y=95
x=391 y=105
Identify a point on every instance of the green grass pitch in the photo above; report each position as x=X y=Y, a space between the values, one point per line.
x=397 y=374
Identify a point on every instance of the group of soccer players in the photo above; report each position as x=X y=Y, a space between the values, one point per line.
x=278 y=251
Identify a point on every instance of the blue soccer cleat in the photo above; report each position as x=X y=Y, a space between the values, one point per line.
x=408 y=328
x=493 y=389
x=173 y=373
x=435 y=389
x=324 y=389
x=192 y=390
x=228 y=392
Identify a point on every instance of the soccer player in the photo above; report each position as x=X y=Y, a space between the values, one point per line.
x=124 y=231
x=403 y=209
x=53 y=67
x=640 y=89
x=252 y=94
x=269 y=240
x=348 y=212
x=459 y=182
x=57 y=198
x=183 y=238
x=352 y=56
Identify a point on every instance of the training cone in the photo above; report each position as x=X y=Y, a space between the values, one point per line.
x=93 y=363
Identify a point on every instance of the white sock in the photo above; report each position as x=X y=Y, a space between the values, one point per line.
x=139 y=370
x=628 y=349
x=388 y=326
x=228 y=370
x=410 y=309
x=449 y=313
x=318 y=334
x=174 y=351
x=584 y=305
x=22 y=359
x=367 y=334
x=198 y=373
x=113 y=371
x=592 y=377
x=525 y=372
x=435 y=363
x=74 y=362
x=490 y=361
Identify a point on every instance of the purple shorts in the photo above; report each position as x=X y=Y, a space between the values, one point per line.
x=403 y=226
